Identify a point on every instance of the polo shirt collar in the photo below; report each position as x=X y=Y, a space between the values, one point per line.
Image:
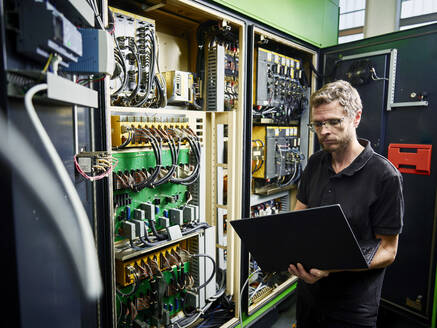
x=358 y=162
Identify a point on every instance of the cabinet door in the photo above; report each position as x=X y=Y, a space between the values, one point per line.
x=396 y=111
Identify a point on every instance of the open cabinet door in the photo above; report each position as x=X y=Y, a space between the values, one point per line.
x=277 y=147
x=394 y=76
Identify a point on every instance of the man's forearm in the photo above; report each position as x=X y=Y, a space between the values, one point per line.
x=386 y=253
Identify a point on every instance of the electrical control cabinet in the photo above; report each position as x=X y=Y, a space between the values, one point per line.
x=166 y=114
x=192 y=116
x=281 y=85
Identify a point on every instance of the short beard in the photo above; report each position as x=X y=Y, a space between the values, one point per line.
x=341 y=145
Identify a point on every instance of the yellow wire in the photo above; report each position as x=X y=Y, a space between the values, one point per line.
x=48 y=63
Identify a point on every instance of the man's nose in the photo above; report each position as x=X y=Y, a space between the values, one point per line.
x=324 y=130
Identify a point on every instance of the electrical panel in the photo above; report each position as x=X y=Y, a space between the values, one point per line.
x=150 y=96
x=279 y=144
x=136 y=81
x=169 y=268
x=180 y=87
x=280 y=153
x=279 y=100
x=280 y=95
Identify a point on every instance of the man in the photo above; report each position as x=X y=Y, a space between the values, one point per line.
x=369 y=189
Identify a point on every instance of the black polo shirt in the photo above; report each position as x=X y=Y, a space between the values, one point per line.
x=369 y=191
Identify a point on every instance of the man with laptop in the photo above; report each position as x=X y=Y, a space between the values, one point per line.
x=369 y=189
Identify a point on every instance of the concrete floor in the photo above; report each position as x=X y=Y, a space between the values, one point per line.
x=284 y=315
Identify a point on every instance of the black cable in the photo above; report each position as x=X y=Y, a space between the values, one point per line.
x=156 y=150
x=155 y=232
x=139 y=73
x=134 y=247
x=123 y=64
x=171 y=146
x=202 y=225
x=195 y=147
x=126 y=143
x=213 y=271
x=150 y=76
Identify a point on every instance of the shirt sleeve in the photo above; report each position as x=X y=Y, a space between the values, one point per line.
x=388 y=211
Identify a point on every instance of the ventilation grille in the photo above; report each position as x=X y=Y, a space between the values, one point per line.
x=193 y=245
x=211 y=96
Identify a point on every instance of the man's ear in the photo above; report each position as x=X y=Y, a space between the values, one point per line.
x=357 y=118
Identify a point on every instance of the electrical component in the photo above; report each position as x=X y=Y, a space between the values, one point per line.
x=280 y=97
x=156 y=287
x=140 y=227
x=139 y=214
x=125 y=277
x=128 y=230
x=273 y=206
x=180 y=87
x=136 y=81
x=149 y=210
x=163 y=221
x=216 y=79
x=176 y=216
x=135 y=189
x=127 y=130
x=191 y=213
x=257 y=155
x=95 y=165
x=174 y=232
x=50 y=33
x=98 y=53
x=231 y=79
x=219 y=41
x=281 y=164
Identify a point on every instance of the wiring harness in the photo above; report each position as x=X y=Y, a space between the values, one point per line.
x=160 y=288
x=98 y=164
x=137 y=80
x=157 y=138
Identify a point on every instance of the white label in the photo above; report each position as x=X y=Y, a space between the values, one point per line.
x=85 y=164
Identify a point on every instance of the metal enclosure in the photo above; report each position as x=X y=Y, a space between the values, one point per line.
x=45 y=287
x=398 y=108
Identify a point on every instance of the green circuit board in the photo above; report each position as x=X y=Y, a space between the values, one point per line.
x=164 y=197
x=171 y=298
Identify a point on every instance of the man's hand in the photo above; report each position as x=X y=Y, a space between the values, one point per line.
x=309 y=277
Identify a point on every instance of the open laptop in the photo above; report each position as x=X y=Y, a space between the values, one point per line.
x=318 y=237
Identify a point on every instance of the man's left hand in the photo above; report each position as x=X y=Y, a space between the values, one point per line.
x=309 y=277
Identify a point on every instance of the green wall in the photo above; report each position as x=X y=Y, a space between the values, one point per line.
x=315 y=21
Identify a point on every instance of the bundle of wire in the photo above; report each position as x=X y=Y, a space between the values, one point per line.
x=102 y=165
x=153 y=272
x=173 y=137
x=287 y=180
x=143 y=55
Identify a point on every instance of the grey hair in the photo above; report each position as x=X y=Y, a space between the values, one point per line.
x=342 y=91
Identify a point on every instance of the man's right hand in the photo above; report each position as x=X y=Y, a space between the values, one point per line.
x=309 y=277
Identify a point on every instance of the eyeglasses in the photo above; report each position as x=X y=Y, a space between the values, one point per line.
x=316 y=126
